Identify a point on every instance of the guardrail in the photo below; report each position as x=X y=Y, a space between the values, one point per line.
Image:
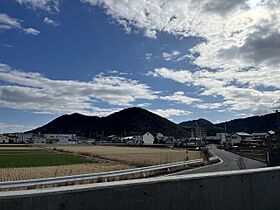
x=133 y=173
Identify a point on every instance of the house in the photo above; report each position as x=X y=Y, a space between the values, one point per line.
x=114 y=139
x=220 y=138
x=160 y=138
x=270 y=136
x=133 y=140
x=148 y=139
x=61 y=138
x=237 y=138
x=13 y=139
x=259 y=136
x=4 y=139
x=194 y=141
x=39 y=140
x=24 y=137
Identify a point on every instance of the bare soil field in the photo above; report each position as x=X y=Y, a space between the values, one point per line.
x=134 y=156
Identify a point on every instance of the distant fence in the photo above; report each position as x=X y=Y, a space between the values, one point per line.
x=256 y=189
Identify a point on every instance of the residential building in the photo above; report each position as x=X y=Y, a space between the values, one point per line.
x=148 y=139
x=13 y=139
x=198 y=132
x=61 y=138
x=4 y=139
x=220 y=138
x=39 y=140
x=145 y=139
x=24 y=137
x=259 y=136
x=133 y=140
x=236 y=138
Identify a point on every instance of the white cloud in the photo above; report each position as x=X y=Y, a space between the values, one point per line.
x=181 y=76
x=8 y=23
x=210 y=106
x=171 y=112
x=36 y=93
x=10 y=128
x=239 y=44
x=7 y=45
x=171 y=56
x=237 y=34
x=180 y=97
x=148 y=56
x=50 y=22
x=238 y=94
x=46 y=5
x=31 y=31
x=143 y=105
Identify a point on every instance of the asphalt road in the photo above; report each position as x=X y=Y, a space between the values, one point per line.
x=230 y=162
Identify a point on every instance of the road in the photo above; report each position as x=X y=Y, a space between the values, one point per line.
x=230 y=162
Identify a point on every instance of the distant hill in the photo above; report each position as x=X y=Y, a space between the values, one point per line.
x=132 y=121
x=200 y=122
x=261 y=123
x=203 y=123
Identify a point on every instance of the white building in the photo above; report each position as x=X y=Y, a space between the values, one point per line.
x=61 y=138
x=148 y=138
x=259 y=136
x=219 y=138
x=238 y=137
x=4 y=139
x=198 y=132
x=39 y=140
x=24 y=137
x=133 y=140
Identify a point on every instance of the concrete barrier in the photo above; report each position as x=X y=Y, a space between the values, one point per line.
x=256 y=189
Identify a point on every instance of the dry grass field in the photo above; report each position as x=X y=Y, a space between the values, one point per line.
x=11 y=174
x=135 y=156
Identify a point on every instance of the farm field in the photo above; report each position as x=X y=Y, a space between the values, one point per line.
x=15 y=157
x=12 y=174
x=135 y=156
x=21 y=163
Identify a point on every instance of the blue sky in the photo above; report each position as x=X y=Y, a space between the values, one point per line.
x=181 y=59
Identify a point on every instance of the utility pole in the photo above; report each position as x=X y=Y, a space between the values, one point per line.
x=278 y=122
x=278 y=128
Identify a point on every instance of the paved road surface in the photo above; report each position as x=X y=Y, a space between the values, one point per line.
x=230 y=162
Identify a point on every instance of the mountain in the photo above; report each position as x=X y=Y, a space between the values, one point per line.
x=261 y=123
x=131 y=121
x=200 y=122
x=203 y=123
x=74 y=123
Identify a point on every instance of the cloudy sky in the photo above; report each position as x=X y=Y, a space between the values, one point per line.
x=182 y=59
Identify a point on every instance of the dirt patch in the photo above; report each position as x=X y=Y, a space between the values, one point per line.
x=136 y=156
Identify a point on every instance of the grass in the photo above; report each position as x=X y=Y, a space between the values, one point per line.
x=15 y=158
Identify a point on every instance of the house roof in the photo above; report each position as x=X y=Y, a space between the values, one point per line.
x=242 y=134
